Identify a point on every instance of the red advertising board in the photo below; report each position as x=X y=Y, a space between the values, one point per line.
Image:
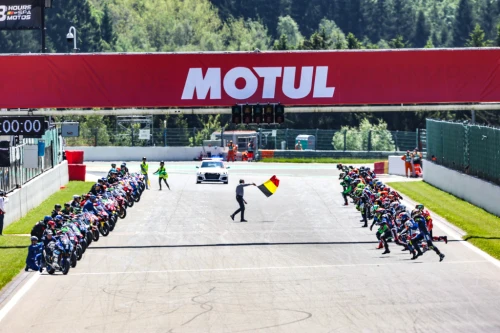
x=224 y=79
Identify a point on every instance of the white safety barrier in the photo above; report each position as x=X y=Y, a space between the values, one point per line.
x=396 y=166
x=474 y=190
x=151 y=153
x=34 y=192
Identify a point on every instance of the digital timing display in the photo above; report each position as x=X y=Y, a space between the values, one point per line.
x=26 y=126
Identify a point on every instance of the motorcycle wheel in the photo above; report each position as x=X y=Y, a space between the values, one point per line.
x=51 y=271
x=112 y=225
x=89 y=237
x=130 y=203
x=123 y=213
x=104 y=229
x=95 y=235
x=84 y=246
x=79 y=252
x=65 y=266
x=74 y=260
x=137 y=198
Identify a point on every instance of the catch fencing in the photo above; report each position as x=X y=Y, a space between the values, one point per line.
x=471 y=149
x=351 y=140
x=17 y=175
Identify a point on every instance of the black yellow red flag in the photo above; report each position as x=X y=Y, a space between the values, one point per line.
x=269 y=187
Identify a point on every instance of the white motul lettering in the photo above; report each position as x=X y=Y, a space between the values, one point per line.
x=305 y=84
x=270 y=74
x=195 y=82
x=320 y=88
x=251 y=83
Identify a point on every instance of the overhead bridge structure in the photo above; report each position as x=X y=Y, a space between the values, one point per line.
x=206 y=83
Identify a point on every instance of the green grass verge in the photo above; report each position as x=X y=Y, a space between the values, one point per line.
x=13 y=251
x=25 y=224
x=482 y=228
x=323 y=160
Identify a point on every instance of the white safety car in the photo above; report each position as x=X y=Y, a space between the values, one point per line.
x=212 y=171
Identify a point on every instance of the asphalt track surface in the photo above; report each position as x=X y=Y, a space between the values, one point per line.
x=302 y=263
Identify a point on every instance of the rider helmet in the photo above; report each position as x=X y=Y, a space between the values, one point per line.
x=57 y=206
x=419 y=207
x=408 y=224
x=49 y=232
x=113 y=165
x=93 y=197
x=76 y=196
x=51 y=224
x=34 y=238
x=58 y=218
x=47 y=218
x=404 y=217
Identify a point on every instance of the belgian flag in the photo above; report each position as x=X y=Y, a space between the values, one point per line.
x=269 y=187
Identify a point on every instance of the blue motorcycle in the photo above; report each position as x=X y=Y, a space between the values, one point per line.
x=61 y=255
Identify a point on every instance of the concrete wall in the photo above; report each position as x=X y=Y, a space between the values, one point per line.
x=189 y=153
x=137 y=153
x=474 y=190
x=332 y=154
x=33 y=193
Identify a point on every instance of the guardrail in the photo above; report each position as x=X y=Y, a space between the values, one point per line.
x=16 y=175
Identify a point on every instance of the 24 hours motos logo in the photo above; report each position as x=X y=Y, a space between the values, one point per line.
x=15 y=13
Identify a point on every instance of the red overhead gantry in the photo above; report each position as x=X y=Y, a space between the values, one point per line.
x=224 y=79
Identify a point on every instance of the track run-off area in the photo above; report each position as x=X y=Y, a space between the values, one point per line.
x=302 y=263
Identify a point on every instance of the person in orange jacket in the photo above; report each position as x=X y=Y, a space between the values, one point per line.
x=231 y=151
x=407 y=158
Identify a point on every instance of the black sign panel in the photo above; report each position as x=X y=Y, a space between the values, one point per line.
x=21 y=14
x=4 y=154
x=31 y=127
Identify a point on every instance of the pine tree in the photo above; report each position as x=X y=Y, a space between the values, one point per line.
x=108 y=34
x=281 y=44
x=20 y=41
x=463 y=23
x=398 y=43
x=77 y=13
x=477 y=38
x=317 y=41
x=355 y=18
x=488 y=17
x=352 y=42
x=422 y=31
x=498 y=35
x=429 y=44
x=402 y=20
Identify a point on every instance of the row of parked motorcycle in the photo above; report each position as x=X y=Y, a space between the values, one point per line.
x=68 y=232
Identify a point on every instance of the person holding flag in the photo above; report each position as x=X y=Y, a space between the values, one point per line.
x=162 y=173
x=240 y=200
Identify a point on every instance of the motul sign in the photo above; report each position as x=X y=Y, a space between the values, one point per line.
x=224 y=79
x=199 y=86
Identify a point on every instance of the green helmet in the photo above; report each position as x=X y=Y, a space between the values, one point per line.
x=347 y=179
x=361 y=186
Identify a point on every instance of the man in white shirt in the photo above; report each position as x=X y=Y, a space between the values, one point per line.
x=3 y=201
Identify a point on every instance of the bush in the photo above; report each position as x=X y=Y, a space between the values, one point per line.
x=366 y=137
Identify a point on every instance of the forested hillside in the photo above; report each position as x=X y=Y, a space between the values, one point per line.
x=203 y=25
